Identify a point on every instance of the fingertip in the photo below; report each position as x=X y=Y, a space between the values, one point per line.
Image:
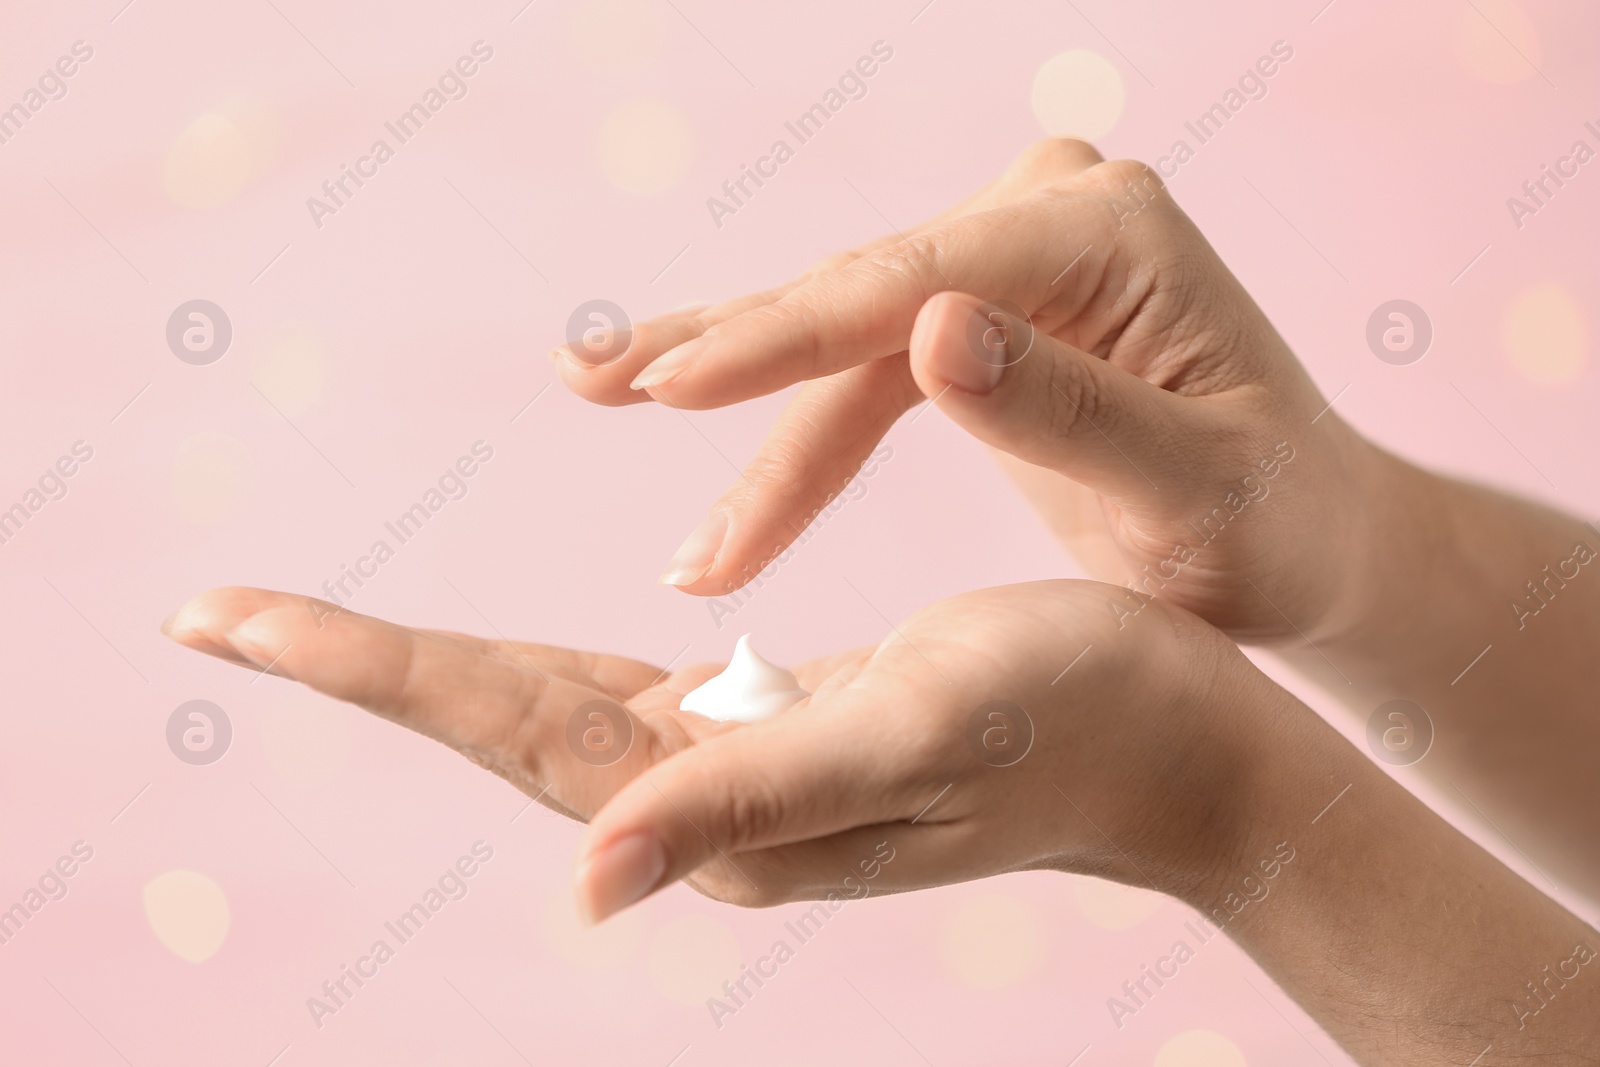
x=949 y=347
x=696 y=557
x=181 y=628
x=203 y=622
x=264 y=637
x=670 y=364
x=598 y=383
x=618 y=874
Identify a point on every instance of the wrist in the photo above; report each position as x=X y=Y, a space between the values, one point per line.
x=1401 y=537
x=1274 y=755
x=1404 y=940
x=1230 y=731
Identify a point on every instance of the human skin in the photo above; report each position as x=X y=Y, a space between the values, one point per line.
x=1152 y=392
x=1160 y=758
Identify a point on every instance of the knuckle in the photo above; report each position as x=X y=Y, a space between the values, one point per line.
x=785 y=465
x=915 y=259
x=793 y=323
x=721 y=882
x=749 y=811
x=1118 y=174
x=829 y=264
x=1132 y=191
x=1056 y=156
x=1073 y=406
x=584 y=382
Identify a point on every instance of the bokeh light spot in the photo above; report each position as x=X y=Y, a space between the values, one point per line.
x=691 y=956
x=292 y=370
x=1078 y=94
x=188 y=912
x=645 y=146
x=990 y=942
x=613 y=35
x=306 y=741
x=211 y=477
x=220 y=153
x=609 y=946
x=1545 y=334
x=1200 y=1048
x=1496 y=42
x=1113 y=906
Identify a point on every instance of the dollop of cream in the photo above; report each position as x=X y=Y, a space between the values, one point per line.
x=749 y=690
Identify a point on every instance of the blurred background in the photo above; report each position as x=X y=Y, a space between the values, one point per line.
x=166 y=152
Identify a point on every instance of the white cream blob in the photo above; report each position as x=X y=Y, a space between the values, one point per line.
x=749 y=690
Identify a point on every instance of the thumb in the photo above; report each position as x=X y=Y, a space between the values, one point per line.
x=808 y=773
x=1043 y=401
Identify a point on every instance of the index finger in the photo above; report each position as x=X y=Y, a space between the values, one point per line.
x=866 y=310
x=502 y=712
x=1006 y=242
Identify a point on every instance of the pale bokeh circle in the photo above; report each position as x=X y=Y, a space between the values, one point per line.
x=1200 y=1048
x=613 y=35
x=1502 y=53
x=306 y=742
x=1545 y=334
x=219 y=154
x=990 y=942
x=1113 y=906
x=188 y=912
x=1078 y=94
x=645 y=146
x=691 y=956
x=611 y=945
x=211 y=477
x=291 y=370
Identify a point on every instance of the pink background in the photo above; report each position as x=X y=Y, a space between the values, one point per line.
x=407 y=327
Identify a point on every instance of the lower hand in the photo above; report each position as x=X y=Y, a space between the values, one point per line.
x=975 y=740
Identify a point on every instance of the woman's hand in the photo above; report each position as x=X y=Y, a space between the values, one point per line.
x=1003 y=730
x=1006 y=729
x=1153 y=406
x=566 y=727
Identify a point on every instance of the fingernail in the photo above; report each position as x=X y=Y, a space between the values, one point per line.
x=166 y=623
x=620 y=874
x=668 y=366
x=976 y=364
x=250 y=646
x=698 y=552
x=565 y=356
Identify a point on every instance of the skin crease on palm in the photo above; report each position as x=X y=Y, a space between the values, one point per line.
x=1150 y=386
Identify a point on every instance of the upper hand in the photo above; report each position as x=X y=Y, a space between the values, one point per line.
x=1148 y=407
